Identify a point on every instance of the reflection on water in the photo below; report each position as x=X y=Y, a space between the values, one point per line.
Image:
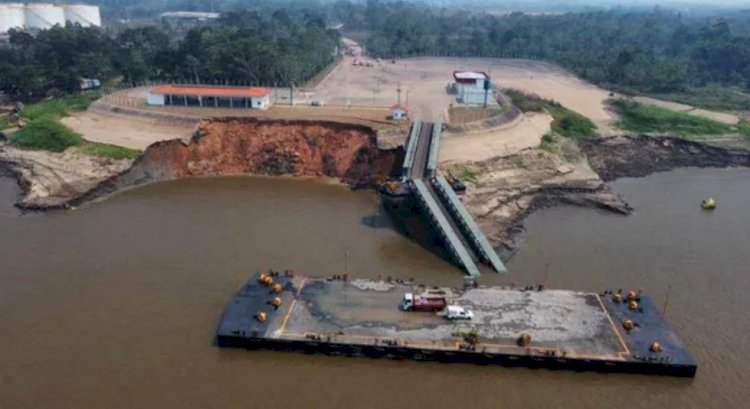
x=115 y=304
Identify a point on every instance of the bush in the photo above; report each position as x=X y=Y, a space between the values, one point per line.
x=566 y=122
x=59 y=108
x=648 y=118
x=571 y=124
x=46 y=133
x=526 y=102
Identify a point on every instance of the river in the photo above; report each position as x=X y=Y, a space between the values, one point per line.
x=115 y=304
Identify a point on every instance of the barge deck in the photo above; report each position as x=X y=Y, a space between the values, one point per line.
x=567 y=329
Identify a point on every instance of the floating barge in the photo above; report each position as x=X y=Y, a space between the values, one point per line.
x=534 y=328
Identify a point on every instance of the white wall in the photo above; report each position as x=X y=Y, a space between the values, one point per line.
x=475 y=97
x=155 y=99
x=260 y=103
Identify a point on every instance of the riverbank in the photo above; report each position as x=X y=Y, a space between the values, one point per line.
x=502 y=191
x=220 y=147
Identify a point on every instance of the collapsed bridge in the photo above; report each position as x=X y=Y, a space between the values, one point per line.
x=460 y=236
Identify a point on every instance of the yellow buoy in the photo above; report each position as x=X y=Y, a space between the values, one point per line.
x=277 y=288
x=656 y=347
x=628 y=325
x=634 y=305
x=709 y=204
x=267 y=280
x=262 y=316
x=617 y=297
x=632 y=296
x=276 y=302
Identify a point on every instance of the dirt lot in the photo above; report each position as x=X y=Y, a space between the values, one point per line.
x=128 y=131
x=425 y=81
x=485 y=144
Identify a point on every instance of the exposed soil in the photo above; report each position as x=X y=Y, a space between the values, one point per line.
x=49 y=180
x=505 y=190
x=638 y=156
x=248 y=146
x=502 y=191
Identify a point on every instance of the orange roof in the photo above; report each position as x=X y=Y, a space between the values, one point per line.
x=400 y=106
x=212 y=91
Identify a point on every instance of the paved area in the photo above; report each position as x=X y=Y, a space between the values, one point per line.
x=575 y=323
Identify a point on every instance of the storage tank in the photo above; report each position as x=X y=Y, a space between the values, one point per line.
x=83 y=14
x=11 y=16
x=44 y=16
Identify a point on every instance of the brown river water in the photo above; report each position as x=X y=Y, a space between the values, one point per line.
x=114 y=305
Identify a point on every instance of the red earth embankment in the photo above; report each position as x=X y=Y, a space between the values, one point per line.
x=248 y=146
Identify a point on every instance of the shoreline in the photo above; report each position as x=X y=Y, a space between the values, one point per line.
x=500 y=208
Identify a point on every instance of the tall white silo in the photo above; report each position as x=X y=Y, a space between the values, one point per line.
x=83 y=14
x=44 y=16
x=11 y=16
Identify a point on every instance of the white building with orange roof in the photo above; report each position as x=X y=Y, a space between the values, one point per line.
x=210 y=97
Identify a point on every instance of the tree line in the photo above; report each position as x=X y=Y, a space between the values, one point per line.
x=244 y=47
x=655 y=51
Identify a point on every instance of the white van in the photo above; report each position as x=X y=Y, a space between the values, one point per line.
x=454 y=312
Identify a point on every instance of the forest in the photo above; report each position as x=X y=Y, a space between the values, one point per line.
x=244 y=48
x=702 y=59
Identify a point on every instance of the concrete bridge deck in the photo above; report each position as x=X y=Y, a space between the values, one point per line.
x=465 y=241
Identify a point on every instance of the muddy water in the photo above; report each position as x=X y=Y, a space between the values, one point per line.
x=114 y=305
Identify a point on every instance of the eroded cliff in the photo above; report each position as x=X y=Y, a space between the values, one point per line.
x=248 y=146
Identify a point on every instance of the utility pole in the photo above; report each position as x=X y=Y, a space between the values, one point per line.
x=398 y=90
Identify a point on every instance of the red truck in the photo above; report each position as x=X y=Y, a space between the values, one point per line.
x=413 y=302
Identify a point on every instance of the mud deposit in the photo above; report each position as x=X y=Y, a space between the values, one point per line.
x=638 y=156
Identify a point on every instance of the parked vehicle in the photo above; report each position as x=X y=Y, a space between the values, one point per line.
x=454 y=312
x=413 y=302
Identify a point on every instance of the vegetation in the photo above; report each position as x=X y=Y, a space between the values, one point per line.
x=744 y=128
x=712 y=97
x=526 y=102
x=643 y=118
x=570 y=124
x=464 y=172
x=59 y=107
x=245 y=49
x=566 y=122
x=564 y=147
x=46 y=133
x=109 y=151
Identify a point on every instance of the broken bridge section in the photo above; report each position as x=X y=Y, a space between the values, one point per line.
x=461 y=236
